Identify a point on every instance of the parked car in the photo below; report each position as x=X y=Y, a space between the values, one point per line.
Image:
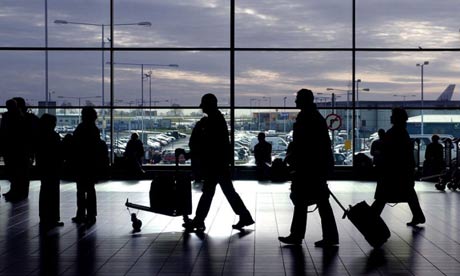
x=169 y=157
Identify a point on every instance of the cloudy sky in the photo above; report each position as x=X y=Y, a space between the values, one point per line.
x=206 y=24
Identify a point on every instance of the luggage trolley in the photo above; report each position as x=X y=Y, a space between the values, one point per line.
x=451 y=176
x=170 y=194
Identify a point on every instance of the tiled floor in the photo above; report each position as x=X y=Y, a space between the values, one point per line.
x=162 y=248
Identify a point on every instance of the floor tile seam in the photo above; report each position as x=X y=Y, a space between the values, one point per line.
x=418 y=252
x=430 y=241
x=150 y=245
x=279 y=235
x=202 y=244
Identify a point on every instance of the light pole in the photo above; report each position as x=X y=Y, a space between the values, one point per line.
x=144 y=23
x=284 y=115
x=258 y=112
x=149 y=76
x=358 y=115
x=102 y=26
x=404 y=97
x=265 y=98
x=421 y=65
x=79 y=98
x=142 y=82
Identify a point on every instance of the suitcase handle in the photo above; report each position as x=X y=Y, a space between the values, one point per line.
x=345 y=211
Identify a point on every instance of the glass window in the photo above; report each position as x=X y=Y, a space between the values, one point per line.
x=170 y=78
x=78 y=24
x=395 y=79
x=22 y=74
x=403 y=23
x=21 y=23
x=273 y=78
x=293 y=23
x=172 y=23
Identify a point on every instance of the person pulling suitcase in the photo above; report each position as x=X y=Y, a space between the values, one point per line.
x=310 y=155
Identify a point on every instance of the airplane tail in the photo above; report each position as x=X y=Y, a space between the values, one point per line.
x=447 y=94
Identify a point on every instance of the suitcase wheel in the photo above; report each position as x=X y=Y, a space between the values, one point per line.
x=137 y=223
x=440 y=187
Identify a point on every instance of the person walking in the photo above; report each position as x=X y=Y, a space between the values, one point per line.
x=211 y=152
x=398 y=175
x=310 y=157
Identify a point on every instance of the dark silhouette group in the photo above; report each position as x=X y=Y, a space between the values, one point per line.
x=25 y=138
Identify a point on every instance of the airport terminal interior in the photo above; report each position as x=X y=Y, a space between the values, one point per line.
x=144 y=66
x=163 y=248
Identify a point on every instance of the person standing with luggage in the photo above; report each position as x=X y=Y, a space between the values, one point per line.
x=398 y=178
x=310 y=155
x=210 y=150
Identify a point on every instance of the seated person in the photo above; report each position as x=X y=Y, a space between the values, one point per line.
x=263 y=156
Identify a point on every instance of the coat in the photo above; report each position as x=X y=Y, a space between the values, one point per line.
x=398 y=162
x=210 y=147
x=310 y=155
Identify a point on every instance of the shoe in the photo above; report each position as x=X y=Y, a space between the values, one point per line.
x=59 y=224
x=243 y=222
x=326 y=243
x=90 y=221
x=193 y=225
x=416 y=221
x=290 y=240
x=78 y=219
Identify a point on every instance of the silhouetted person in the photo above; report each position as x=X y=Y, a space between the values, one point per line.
x=434 y=157
x=263 y=156
x=310 y=156
x=29 y=146
x=90 y=158
x=11 y=124
x=377 y=148
x=14 y=133
x=49 y=164
x=398 y=182
x=134 y=153
x=210 y=148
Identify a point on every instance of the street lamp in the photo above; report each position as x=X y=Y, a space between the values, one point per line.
x=142 y=23
x=269 y=111
x=421 y=65
x=284 y=115
x=404 y=97
x=79 y=98
x=143 y=76
x=149 y=76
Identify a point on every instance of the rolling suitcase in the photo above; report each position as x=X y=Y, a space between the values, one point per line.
x=170 y=194
x=371 y=225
